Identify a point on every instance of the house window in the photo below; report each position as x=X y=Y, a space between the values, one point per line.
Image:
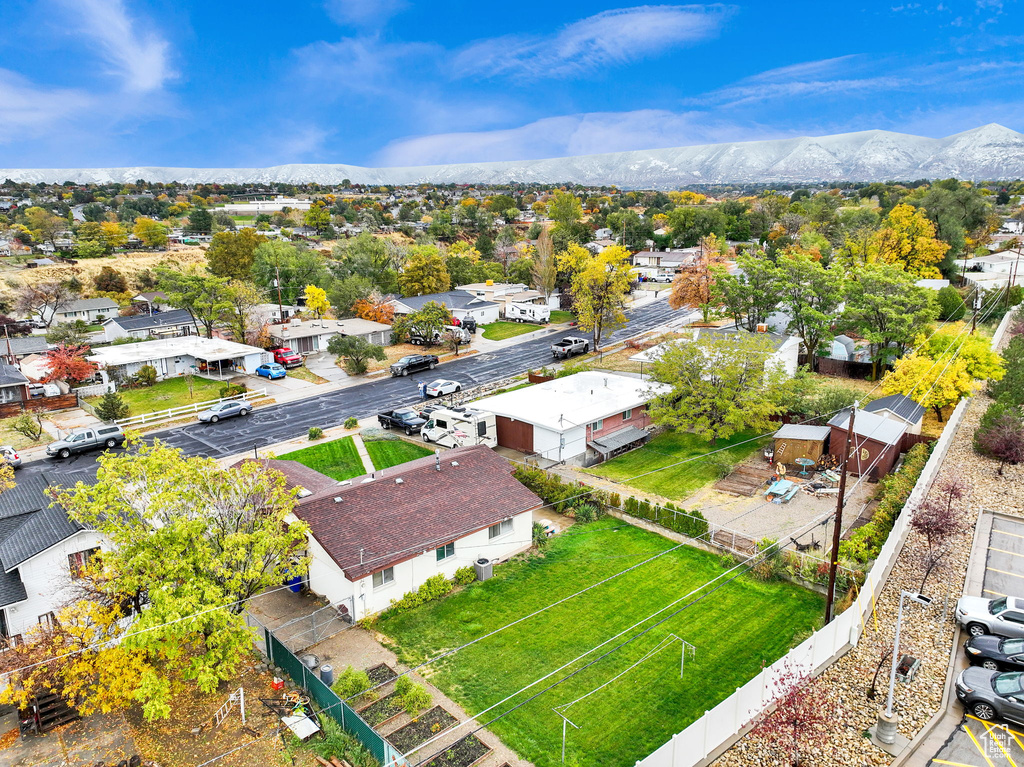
x=446 y=551
x=4 y=630
x=502 y=528
x=383 y=578
x=627 y=414
x=78 y=561
x=597 y=425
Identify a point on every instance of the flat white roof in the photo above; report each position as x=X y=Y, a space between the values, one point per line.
x=575 y=400
x=209 y=349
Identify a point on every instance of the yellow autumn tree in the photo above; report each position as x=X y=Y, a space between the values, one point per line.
x=931 y=383
x=316 y=301
x=600 y=285
x=907 y=239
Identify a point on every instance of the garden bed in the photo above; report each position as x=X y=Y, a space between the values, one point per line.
x=382 y=711
x=464 y=753
x=382 y=673
x=421 y=729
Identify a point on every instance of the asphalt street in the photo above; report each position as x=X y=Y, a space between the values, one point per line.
x=278 y=423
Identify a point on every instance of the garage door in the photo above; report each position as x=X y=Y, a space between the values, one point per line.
x=517 y=435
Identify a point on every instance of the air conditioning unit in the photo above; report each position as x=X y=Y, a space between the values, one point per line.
x=484 y=569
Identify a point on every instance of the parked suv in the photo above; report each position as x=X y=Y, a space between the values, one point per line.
x=989 y=695
x=1003 y=616
x=86 y=439
x=413 y=363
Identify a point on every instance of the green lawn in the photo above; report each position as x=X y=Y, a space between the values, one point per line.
x=387 y=453
x=737 y=629
x=305 y=374
x=669 y=448
x=338 y=458
x=560 y=316
x=499 y=331
x=163 y=395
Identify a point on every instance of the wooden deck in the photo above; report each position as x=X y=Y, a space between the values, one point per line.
x=744 y=480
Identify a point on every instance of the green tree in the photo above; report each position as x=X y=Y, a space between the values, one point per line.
x=152 y=233
x=239 y=315
x=318 y=216
x=599 y=290
x=429 y=321
x=196 y=540
x=109 y=280
x=980 y=362
x=231 y=254
x=952 y=306
x=424 y=273
x=112 y=407
x=564 y=208
x=751 y=295
x=294 y=267
x=812 y=296
x=356 y=351
x=888 y=310
x=346 y=292
x=67 y=334
x=204 y=298
x=200 y=221
x=500 y=204
x=720 y=385
x=689 y=225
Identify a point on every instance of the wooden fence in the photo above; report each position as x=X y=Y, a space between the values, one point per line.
x=841 y=368
x=60 y=402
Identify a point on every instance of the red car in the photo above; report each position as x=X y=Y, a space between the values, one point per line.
x=285 y=356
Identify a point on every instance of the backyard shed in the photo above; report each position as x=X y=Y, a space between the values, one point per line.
x=876 y=442
x=795 y=440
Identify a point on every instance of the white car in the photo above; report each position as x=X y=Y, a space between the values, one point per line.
x=442 y=386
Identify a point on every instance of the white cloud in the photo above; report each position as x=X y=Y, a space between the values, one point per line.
x=362 y=65
x=26 y=109
x=139 y=58
x=606 y=39
x=571 y=135
x=363 y=13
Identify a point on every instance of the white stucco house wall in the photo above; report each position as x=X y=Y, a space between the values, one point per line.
x=212 y=357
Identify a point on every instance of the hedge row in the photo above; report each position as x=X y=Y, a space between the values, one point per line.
x=866 y=542
x=573 y=499
x=689 y=523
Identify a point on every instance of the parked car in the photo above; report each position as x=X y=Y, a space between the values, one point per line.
x=86 y=439
x=990 y=695
x=271 y=370
x=995 y=653
x=10 y=456
x=285 y=356
x=406 y=419
x=412 y=363
x=442 y=386
x=569 y=346
x=225 y=410
x=1003 y=617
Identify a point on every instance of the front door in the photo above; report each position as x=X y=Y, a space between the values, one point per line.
x=179 y=366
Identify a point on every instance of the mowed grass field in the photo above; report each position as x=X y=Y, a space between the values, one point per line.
x=338 y=458
x=386 y=453
x=736 y=629
x=670 y=448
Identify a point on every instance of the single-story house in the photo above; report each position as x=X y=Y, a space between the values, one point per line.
x=877 y=442
x=269 y=314
x=90 y=310
x=176 y=322
x=210 y=357
x=13 y=384
x=581 y=419
x=1002 y=263
x=22 y=346
x=314 y=335
x=785 y=355
x=797 y=440
x=460 y=303
x=900 y=408
x=654 y=264
x=932 y=284
x=41 y=550
x=376 y=537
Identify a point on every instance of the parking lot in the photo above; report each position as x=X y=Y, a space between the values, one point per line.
x=990 y=744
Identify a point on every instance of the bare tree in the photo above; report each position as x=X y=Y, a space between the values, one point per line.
x=43 y=300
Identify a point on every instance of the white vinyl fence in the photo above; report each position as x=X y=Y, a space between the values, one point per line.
x=195 y=407
x=722 y=724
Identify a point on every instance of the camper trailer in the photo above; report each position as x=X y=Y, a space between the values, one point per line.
x=458 y=427
x=527 y=313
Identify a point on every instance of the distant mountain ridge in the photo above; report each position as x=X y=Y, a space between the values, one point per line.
x=991 y=152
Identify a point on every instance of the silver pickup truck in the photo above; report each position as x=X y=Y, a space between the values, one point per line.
x=567 y=347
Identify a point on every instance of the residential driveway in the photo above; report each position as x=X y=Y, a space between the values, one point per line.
x=323 y=365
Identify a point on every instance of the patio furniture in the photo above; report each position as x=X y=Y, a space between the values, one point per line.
x=804 y=464
x=779 y=489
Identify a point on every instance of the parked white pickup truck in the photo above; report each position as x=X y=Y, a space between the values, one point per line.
x=567 y=347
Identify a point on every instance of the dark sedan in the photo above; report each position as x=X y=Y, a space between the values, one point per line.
x=989 y=695
x=995 y=653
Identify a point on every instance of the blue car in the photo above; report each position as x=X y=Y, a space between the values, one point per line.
x=271 y=370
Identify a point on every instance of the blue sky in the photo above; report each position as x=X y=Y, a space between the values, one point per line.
x=87 y=83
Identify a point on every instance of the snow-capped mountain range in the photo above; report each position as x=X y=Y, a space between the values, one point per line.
x=990 y=152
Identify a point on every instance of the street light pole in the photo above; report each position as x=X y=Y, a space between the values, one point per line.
x=887 y=720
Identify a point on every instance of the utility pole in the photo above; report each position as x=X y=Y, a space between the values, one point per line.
x=837 y=529
x=977 y=307
x=277 y=282
x=1013 y=279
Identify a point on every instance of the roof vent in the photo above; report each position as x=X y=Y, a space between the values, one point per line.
x=455 y=463
x=368 y=479
x=399 y=481
x=344 y=482
x=338 y=499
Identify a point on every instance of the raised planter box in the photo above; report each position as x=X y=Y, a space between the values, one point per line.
x=381 y=674
x=463 y=753
x=421 y=729
x=380 y=712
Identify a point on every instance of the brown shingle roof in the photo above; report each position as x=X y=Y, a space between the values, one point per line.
x=392 y=522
